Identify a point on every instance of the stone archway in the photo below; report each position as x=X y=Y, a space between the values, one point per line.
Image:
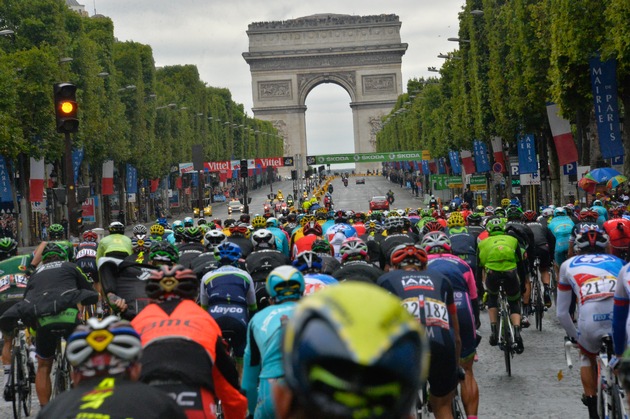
x=288 y=59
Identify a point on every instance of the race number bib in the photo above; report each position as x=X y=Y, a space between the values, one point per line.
x=86 y=253
x=598 y=288
x=428 y=311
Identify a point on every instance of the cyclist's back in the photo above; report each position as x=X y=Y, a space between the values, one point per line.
x=116 y=244
x=618 y=229
x=85 y=255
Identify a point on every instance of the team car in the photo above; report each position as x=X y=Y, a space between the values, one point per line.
x=379 y=203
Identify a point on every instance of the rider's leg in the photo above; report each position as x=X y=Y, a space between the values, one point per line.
x=441 y=406
x=470 y=390
x=42 y=380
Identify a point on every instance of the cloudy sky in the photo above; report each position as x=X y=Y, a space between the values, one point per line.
x=211 y=35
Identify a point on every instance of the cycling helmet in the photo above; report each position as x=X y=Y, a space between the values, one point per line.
x=359 y=216
x=291 y=217
x=474 y=219
x=616 y=212
x=263 y=239
x=589 y=214
x=157 y=230
x=597 y=203
x=408 y=254
x=90 y=236
x=436 y=242
x=163 y=252
x=116 y=227
x=177 y=224
x=432 y=226
x=456 y=220
x=547 y=212
x=189 y=222
x=141 y=230
x=55 y=231
x=107 y=346
x=559 y=212
x=244 y=218
x=426 y=213
x=505 y=202
x=308 y=261
x=169 y=281
x=8 y=247
x=213 y=237
x=140 y=243
x=495 y=226
x=353 y=351
x=591 y=239
x=529 y=216
x=312 y=228
x=193 y=234
x=285 y=283
x=239 y=230
x=272 y=222
x=499 y=212
x=229 y=222
x=227 y=253
x=306 y=219
x=55 y=249
x=514 y=213
x=353 y=248
x=201 y=222
x=322 y=246
x=394 y=223
x=259 y=222
x=480 y=209
x=488 y=210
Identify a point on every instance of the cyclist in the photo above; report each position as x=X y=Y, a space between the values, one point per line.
x=183 y=353
x=116 y=244
x=431 y=292
x=85 y=256
x=13 y=281
x=544 y=243
x=140 y=231
x=500 y=254
x=394 y=238
x=561 y=227
x=50 y=304
x=140 y=246
x=190 y=247
x=463 y=244
x=310 y=264
x=311 y=231
x=474 y=224
x=354 y=340
x=325 y=251
x=229 y=295
x=240 y=235
x=355 y=263
x=265 y=256
x=282 y=237
x=618 y=229
x=56 y=232
x=206 y=261
x=105 y=358
x=598 y=207
x=178 y=230
x=263 y=354
x=516 y=228
x=592 y=276
x=438 y=247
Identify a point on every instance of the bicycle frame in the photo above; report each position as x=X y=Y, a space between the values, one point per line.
x=506 y=330
x=610 y=394
x=537 y=302
x=61 y=370
x=22 y=374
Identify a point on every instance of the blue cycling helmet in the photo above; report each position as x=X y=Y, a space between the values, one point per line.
x=162 y=221
x=308 y=261
x=272 y=222
x=285 y=283
x=227 y=253
x=177 y=223
x=189 y=222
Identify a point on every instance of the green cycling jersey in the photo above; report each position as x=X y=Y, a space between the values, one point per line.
x=499 y=253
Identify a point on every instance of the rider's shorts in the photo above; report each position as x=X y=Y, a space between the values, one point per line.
x=197 y=402
x=443 y=369
x=49 y=328
x=543 y=255
x=236 y=331
x=466 y=319
x=594 y=322
x=561 y=256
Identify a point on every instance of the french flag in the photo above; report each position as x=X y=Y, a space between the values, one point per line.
x=36 y=182
x=467 y=162
x=497 y=151
x=562 y=136
x=107 y=184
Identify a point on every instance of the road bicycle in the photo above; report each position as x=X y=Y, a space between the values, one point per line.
x=422 y=409
x=22 y=375
x=538 y=303
x=506 y=331
x=61 y=367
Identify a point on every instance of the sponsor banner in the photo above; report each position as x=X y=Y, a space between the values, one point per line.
x=39 y=207
x=530 y=179
x=6 y=194
x=527 y=154
x=455 y=182
x=440 y=182
x=604 y=85
x=426 y=155
x=222 y=166
x=562 y=136
x=481 y=156
x=88 y=213
x=365 y=157
x=478 y=183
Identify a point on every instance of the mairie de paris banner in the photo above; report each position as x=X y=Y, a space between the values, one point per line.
x=364 y=157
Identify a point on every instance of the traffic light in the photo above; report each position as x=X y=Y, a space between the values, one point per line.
x=293 y=174
x=77 y=218
x=243 y=168
x=66 y=107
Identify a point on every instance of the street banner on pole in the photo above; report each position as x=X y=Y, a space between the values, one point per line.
x=6 y=194
x=454 y=158
x=604 y=85
x=481 y=156
x=497 y=150
x=36 y=182
x=527 y=154
x=562 y=135
x=467 y=162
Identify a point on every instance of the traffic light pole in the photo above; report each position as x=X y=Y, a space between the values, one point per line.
x=71 y=198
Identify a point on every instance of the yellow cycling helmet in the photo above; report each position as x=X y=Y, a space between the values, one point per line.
x=505 y=202
x=156 y=230
x=352 y=350
x=456 y=219
x=259 y=222
x=306 y=219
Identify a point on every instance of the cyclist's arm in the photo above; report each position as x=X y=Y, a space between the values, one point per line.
x=250 y=298
x=452 y=310
x=84 y=281
x=251 y=370
x=225 y=379
x=620 y=316
x=37 y=254
x=563 y=303
x=203 y=297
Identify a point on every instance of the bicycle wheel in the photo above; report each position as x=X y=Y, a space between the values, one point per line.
x=25 y=391
x=507 y=340
x=458 y=407
x=539 y=306
x=14 y=383
x=61 y=376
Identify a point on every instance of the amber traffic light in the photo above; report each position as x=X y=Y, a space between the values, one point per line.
x=66 y=107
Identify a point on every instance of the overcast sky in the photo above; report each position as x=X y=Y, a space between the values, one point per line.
x=211 y=35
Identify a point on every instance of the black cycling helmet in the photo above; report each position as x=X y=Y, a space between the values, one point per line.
x=55 y=250
x=8 y=247
x=172 y=281
x=322 y=246
x=116 y=228
x=192 y=235
x=163 y=252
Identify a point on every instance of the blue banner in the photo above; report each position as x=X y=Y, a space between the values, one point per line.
x=425 y=167
x=441 y=166
x=527 y=154
x=6 y=194
x=604 y=85
x=480 y=150
x=132 y=179
x=455 y=165
x=77 y=159
x=194 y=178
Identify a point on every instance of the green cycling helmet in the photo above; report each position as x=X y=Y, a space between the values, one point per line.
x=8 y=247
x=55 y=231
x=163 y=251
x=55 y=249
x=495 y=226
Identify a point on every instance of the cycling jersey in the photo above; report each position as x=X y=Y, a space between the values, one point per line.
x=126 y=279
x=112 y=397
x=603 y=214
x=464 y=245
x=428 y=296
x=302 y=244
x=499 y=253
x=329 y=264
x=188 y=252
x=337 y=233
x=593 y=278
x=13 y=280
x=261 y=262
x=374 y=247
x=561 y=227
x=618 y=229
x=316 y=281
x=357 y=270
x=621 y=321
x=245 y=245
x=181 y=345
x=203 y=264
x=282 y=239
x=114 y=243
x=85 y=258
x=263 y=355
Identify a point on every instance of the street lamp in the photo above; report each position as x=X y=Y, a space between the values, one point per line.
x=464 y=41
x=6 y=32
x=433 y=69
x=65 y=60
x=476 y=12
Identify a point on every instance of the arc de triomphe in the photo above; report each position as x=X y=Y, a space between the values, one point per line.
x=289 y=58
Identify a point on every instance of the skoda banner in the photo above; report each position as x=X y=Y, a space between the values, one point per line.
x=364 y=157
